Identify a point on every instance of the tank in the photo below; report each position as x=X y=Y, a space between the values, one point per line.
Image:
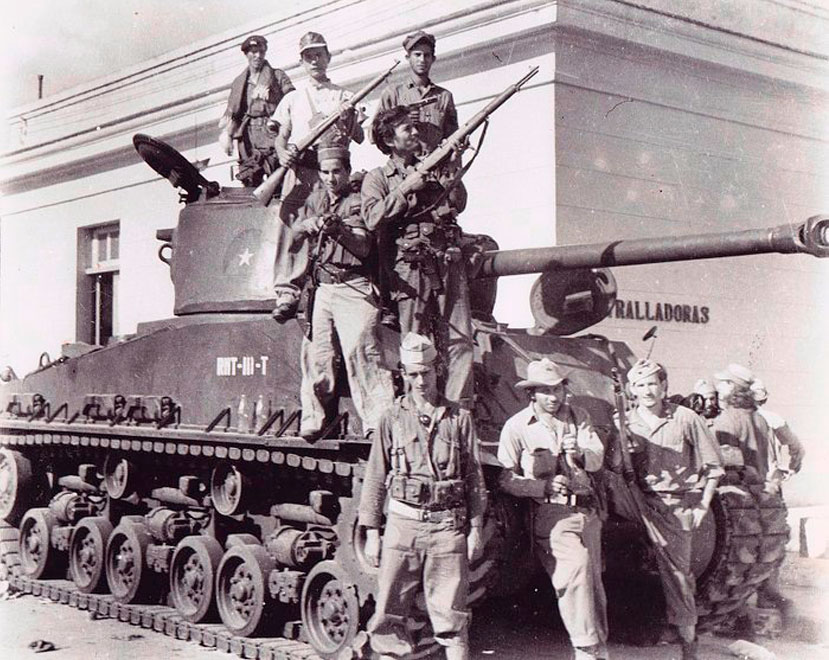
x=161 y=479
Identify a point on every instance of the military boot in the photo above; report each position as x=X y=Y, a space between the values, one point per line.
x=689 y=650
x=592 y=652
x=457 y=652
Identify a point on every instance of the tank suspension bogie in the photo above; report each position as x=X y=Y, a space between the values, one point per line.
x=193 y=577
x=87 y=550
x=242 y=594
x=38 y=555
x=295 y=548
x=127 y=568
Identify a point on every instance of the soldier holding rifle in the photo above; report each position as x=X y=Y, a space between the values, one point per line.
x=345 y=313
x=549 y=450
x=676 y=464
x=297 y=114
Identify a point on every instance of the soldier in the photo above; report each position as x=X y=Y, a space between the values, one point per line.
x=709 y=396
x=753 y=433
x=674 y=458
x=422 y=268
x=345 y=311
x=425 y=457
x=435 y=120
x=298 y=113
x=549 y=450
x=254 y=95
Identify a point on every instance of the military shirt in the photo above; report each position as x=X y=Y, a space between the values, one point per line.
x=676 y=456
x=747 y=430
x=423 y=454
x=347 y=207
x=532 y=451
x=437 y=120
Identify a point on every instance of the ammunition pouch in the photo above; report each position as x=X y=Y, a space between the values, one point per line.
x=425 y=494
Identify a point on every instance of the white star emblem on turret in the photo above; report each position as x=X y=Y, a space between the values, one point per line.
x=244 y=258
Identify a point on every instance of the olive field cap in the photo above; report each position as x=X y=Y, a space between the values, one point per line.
x=736 y=373
x=417 y=349
x=254 y=41
x=642 y=369
x=327 y=153
x=703 y=387
x=416 y=37
x=311 y=40
x=758 y=390
x=542 y=373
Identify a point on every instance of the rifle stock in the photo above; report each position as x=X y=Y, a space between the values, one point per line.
x=636 y=495
x=266 y=190
x=445 y=148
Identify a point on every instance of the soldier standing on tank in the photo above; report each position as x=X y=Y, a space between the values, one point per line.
x=345 y=311
x=425 y=458
x=677 y=466
x=550 y=450
x=422 y=268
x=254 y=95
x=756 y=434
x=436 y=120
x=314 y=99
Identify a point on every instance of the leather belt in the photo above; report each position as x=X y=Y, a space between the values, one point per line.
x=425 y=515
x=336 y=276
x=582 y=501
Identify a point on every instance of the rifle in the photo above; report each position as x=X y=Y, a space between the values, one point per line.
x=459 y=136
x=636 y=495
x=265 y=191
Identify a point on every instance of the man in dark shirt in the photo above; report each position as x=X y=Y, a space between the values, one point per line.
x=254 y=95
x=435 y=120
x=345 y=316
x=422 y=267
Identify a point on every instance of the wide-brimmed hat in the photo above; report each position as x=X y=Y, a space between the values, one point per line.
x=542 y=373
x=642 y=369
x=417 y=350
x=736 y=373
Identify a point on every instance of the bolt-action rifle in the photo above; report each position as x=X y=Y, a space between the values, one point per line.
x=458 y=138
x=637 y=498
x=269 y=186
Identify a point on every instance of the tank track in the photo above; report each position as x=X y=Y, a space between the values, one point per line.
x=751 y=537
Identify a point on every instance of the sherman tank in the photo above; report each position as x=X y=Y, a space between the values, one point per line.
x=161 y=478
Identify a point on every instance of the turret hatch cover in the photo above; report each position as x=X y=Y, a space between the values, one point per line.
x=170 y=164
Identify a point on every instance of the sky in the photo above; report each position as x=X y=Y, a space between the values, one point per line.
x=73 y=41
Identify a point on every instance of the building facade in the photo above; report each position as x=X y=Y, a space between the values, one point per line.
x=647 y=118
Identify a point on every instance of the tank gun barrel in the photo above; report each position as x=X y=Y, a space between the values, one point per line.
x=810 y=237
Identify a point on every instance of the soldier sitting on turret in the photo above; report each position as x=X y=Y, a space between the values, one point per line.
x=345 y=312
x=254 y=95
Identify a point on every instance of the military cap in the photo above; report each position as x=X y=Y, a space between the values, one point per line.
x=703 y=387
x=642 y=369
x=542 y=373
x=758 y=391
x=416 y=37
x=254 y=41
x=327 y=153
x=311 y=40
x=736 y=373
x=417 y=349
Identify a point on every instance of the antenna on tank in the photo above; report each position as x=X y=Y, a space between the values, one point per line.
x=650 y=334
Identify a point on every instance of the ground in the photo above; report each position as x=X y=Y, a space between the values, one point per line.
x=498 y=632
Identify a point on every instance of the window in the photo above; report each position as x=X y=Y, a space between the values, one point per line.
x=98 y=266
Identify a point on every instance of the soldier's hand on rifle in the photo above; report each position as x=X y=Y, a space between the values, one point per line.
x=558 y=485
x=570 y=446
x=288 y=157
x=474 y=543
x=346 y=112
x=417 y=182
x=414 y=114
x=372 y=547
x=309 y=226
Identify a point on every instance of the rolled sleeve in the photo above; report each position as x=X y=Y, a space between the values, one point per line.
x=512 y=480
x=379 y=204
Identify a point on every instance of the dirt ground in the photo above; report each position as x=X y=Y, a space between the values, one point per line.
x=498 y=631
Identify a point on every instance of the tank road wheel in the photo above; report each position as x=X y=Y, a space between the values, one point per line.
x=130 y=579
x=330 y=609
x=119 y=477
x=19 y=487
x=193 y=577
x=87 y=554
x=228 y=487
x=242 y=589
x=37 y=556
